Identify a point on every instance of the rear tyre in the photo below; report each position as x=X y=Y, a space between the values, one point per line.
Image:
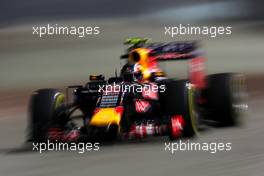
x=43 y=113
x=178 y=100
x=226 y=98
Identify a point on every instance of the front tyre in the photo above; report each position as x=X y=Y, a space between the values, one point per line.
x=178 y=100
x=43 y=112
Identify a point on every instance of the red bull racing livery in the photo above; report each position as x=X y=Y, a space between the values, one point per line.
x=142 y=101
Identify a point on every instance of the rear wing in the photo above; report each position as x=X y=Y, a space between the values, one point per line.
x=176 y=56
x=169 y=51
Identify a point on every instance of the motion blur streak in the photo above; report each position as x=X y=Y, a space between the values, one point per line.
x=28 y=63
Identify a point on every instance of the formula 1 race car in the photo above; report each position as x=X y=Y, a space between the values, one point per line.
x=141 y=101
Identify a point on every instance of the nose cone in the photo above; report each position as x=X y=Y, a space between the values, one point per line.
x=106 y=116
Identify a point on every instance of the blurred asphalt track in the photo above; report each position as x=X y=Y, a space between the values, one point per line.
x=28 y=62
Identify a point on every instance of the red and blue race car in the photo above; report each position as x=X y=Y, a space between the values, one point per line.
x=142 y=101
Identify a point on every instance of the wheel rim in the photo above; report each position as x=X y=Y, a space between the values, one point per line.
x=238 y=95
x=193 y=116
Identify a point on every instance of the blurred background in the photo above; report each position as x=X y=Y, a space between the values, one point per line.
x=28 y=62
